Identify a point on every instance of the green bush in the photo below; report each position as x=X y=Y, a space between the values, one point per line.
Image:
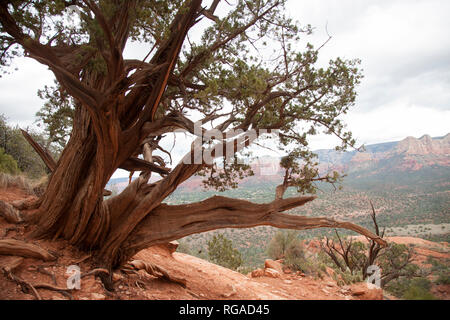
x=283 y=241
x=411 y=289
x=221 y=252
x=418 y=293
x=286 y=245
x=443 y=279
x=7 y=163
x=15 y=145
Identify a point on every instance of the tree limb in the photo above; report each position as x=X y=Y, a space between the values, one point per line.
x=166 y=223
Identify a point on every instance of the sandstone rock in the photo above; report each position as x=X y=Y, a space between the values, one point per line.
x=97 y=296
x=172 y=246
x=232 y=291
x=287 y=281
x=273 y=265
x=366 y=291
x=257 y=273
x=269 y=272
x=287 y=271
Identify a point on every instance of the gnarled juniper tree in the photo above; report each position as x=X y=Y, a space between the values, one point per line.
x=122 y=107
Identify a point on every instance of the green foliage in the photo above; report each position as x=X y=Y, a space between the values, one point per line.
x=418 y=293
x=14 y=144
x=443 y=279
x=419 y=289
x=286 y=245
x=442 y=270
x=347 y=277
x=7 y=163
x=56 y=115
x=395 y=259
x=284 y=242
x=221 y=252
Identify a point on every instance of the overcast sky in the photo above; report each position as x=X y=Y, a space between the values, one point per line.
x=405 y=51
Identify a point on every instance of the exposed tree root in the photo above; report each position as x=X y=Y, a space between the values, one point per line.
x=42 y=269
x=63 y=291
x=82 y=259
x=11 y=264
x=8 y=212
x=14 y=247
x=95 y=272
x=8 y=268
x=25 y=285
x=26 y=204
x=156 y=271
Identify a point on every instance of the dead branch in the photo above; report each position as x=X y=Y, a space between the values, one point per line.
x=43 y=153
x=63 y=291
x=42 y=269
x=25 y=285
x=14 y=247
x=8 y=212
x=136 y=164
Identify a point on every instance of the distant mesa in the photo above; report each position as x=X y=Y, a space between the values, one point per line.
x=409 y=154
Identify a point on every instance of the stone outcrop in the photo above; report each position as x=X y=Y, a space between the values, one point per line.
x=276 y=265
x=272 y=273
x=366 y=291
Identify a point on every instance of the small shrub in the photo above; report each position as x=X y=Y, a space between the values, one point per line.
x=221 y=252
x=411 y=289
x=7 y=163
x=418 y=293
x=443 y=279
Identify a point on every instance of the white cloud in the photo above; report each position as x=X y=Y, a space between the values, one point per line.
x=18 y=91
